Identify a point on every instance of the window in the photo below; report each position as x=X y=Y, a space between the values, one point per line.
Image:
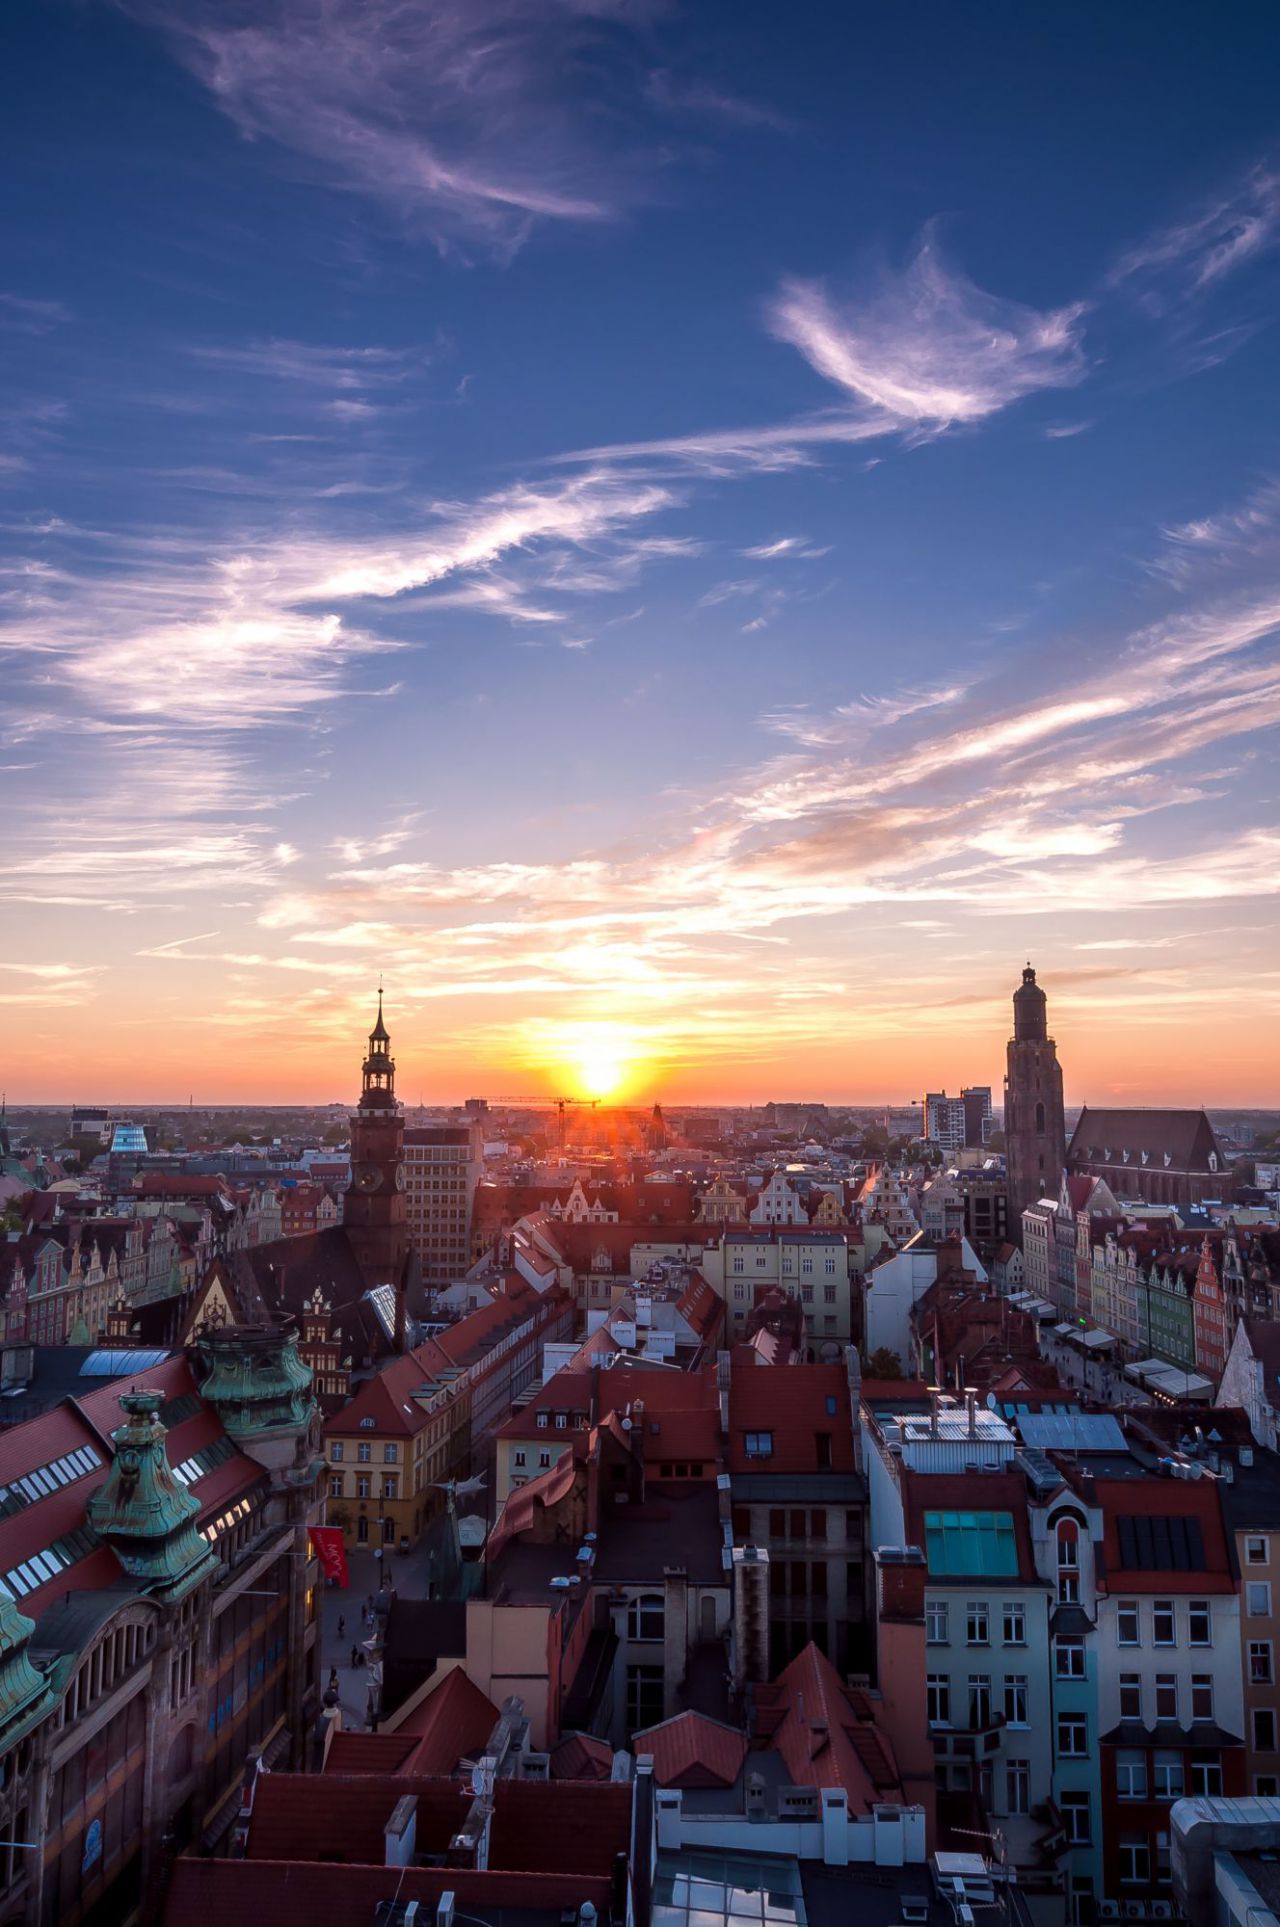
x=1069 y=1657
x=544 y=1460
x=1018 y=1786
x=335 y=1452
x=362 y=1486
x=822 y=1450
x=646 y=1616
x=1257 y=1551
x=1199 y=1623
x=1206 y=1774
x=1131 y=1696
x=971 y=1543
x=1264 y=1729
x=1131 y=1774
x=1073 y=1736
x=1163 y=1630
x=390 y=1485
x=1260 y=1662
x=335 y=1487
x=1258 y=1598
x=1266 y=1786
x=390 y=1454
x=977 y=1626
x=1075 y=1818
x=520 y=1457
x=979 y=1700
x=758 y=1445
x=938 y=1697
x=543 y=1421
x=644 y=1697
x=829 y=1294
x=1169 y=1777
x=935 y=1622
x=1202 y=1696
x=1166 y=1696
x=1015 y=1699
x=1135 y=1860
x=1014 y=1626
x=364 y=1452
x=1127 y=1633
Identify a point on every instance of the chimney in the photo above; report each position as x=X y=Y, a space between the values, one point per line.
x=444 y=1908
x=971 y=1411
x=750 y=1616
x=401 y=1832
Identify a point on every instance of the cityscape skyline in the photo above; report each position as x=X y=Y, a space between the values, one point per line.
x=693 y=555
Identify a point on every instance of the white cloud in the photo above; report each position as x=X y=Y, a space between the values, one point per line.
x=469 y=117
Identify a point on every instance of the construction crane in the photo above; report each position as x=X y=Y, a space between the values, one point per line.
x=542 y=1101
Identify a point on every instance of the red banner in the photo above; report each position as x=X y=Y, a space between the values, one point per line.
x=326 y=1543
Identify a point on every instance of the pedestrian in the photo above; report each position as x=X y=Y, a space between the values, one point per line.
x=342 y=1626
x=355 y=1655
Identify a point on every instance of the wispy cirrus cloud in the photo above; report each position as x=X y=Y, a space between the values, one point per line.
x=929 y=348
x=27 y=315
x=465 y=116
x=673 y=94
x=913 y=353
x=1191 y=256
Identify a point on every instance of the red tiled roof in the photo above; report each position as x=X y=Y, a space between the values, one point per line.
x=369 y=1752
x=812 y=1722
x=209 y=1893
x=693 y=1751
x=387 y=1398
x=580 y=1756
x=791 y=1402
x=1004 y=1491
x=538 y=1827
x=1159 y=1499
x=454 y=1721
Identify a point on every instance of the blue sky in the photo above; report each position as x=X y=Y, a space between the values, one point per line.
x=697 y=535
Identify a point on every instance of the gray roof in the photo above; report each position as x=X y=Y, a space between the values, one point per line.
x=1186 y=1137
x=1074 y=1432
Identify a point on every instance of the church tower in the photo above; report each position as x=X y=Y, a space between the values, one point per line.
x=1035 y=1131
x=373 y=1212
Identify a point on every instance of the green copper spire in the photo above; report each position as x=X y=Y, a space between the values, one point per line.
x=25 y=1693
x=257 y=1381
x=143 y=1513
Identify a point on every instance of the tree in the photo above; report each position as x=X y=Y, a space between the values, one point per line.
x=883 y=1364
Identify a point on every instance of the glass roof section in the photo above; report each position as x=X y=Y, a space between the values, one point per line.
x=971 y=1545
x=727 y=1890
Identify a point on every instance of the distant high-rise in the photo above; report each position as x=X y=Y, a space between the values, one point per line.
x=1034 y=1126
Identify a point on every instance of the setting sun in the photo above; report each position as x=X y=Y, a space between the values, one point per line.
x=599 y=1058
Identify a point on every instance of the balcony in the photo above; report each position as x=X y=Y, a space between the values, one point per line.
x=964 y=1740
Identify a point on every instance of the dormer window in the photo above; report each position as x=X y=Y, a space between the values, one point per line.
x=542 y=1421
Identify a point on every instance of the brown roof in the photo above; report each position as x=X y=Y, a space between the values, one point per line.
x=1187 y=1137
x=454 y=1720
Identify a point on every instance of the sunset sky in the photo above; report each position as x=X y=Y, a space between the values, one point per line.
x=692 y=540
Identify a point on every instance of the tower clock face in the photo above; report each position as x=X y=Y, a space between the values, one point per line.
x=400 y=1177
x=367 y=1177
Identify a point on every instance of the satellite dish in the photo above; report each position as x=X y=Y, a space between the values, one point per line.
x=992 y=1401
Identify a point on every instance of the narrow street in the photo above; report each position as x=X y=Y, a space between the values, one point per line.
x=409 y=1575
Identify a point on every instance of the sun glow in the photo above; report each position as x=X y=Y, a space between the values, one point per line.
x=600 y=1059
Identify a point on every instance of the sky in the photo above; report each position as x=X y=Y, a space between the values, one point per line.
x=690 y=540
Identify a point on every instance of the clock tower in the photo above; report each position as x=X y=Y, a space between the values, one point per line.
x=373 y=1212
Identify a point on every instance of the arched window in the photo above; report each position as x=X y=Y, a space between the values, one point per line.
x=1040 y=1119
x=1068 y=1562
x=646 y=1617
